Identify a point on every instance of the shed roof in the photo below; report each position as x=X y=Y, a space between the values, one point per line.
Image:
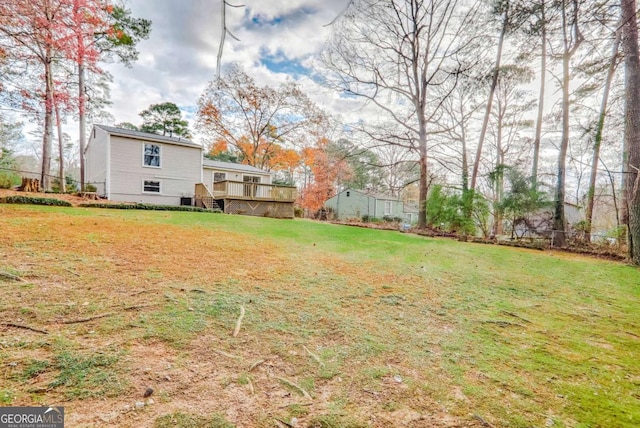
x=129 y=133
x=378 y=196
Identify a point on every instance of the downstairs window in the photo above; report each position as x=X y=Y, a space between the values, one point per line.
x=150 y=186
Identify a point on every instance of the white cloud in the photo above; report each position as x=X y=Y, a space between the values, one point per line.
x=179 y=58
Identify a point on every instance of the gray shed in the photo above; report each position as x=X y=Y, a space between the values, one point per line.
x=356 y=204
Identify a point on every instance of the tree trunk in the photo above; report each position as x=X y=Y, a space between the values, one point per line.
x=45 y=178
x=420 y=102
x=632 y=124
x=616 y=207
x=423 y=186
x=500 y=168
x=61 y=174
x=223 y=4
x=559 y=239
x=494 y=83
x=570 y=47
x=543 y=72
x=465 y=159
x=82 y=113
x=624 y=195
x=598 y=137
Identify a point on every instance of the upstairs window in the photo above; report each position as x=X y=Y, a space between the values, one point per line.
x=219 y=176
x=152 y=155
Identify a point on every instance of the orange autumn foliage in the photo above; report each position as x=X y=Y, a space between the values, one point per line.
x=220 y=146
x=267 y=155
x=284 y=159
x=261 y=124
x=326 y=171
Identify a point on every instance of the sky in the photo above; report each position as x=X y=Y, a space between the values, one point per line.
x=277 y=39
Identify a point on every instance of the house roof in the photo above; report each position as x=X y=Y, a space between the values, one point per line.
x=122 y=132
x=213 y=164
x=383 y=197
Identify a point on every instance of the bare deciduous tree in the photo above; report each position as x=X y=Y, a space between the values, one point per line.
x=571 y=40
x=256 y=120
x=398 y=55
x=632 y=124
x=501 y=7
x=599 y=132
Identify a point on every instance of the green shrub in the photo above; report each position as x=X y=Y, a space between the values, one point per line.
x=90 y=188
x=8 y=180
x=33 y=200
x=150 y=207
x=69 y=183
x=454 y=211
x=521 y=199
x=8 y=176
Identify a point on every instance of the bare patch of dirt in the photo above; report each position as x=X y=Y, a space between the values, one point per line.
x=99 y=284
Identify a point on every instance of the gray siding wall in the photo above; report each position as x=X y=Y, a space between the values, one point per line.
x=96 y=156
x=396 y=208
x=180 y=169
x=356 y=205
x=353 y=206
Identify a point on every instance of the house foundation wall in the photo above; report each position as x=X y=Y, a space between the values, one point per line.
x=259 y=208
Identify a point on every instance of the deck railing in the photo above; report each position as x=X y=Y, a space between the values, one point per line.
x=253 y=191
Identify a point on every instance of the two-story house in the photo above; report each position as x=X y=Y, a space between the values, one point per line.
x=133 y=166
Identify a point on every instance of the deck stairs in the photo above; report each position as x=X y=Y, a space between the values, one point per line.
x=205 y=198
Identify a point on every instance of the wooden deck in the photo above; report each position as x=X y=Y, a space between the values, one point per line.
x=253 y=191
x=236 y=197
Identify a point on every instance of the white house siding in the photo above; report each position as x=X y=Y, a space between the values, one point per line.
x=96 y=166
x=178 y=173
x=232 y=175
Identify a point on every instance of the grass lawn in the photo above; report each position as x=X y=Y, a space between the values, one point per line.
x=342 y=326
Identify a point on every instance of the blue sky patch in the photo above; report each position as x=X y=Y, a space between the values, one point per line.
x=191 y=109
x=261 y=20
x=278 y=62
x=253 y=20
